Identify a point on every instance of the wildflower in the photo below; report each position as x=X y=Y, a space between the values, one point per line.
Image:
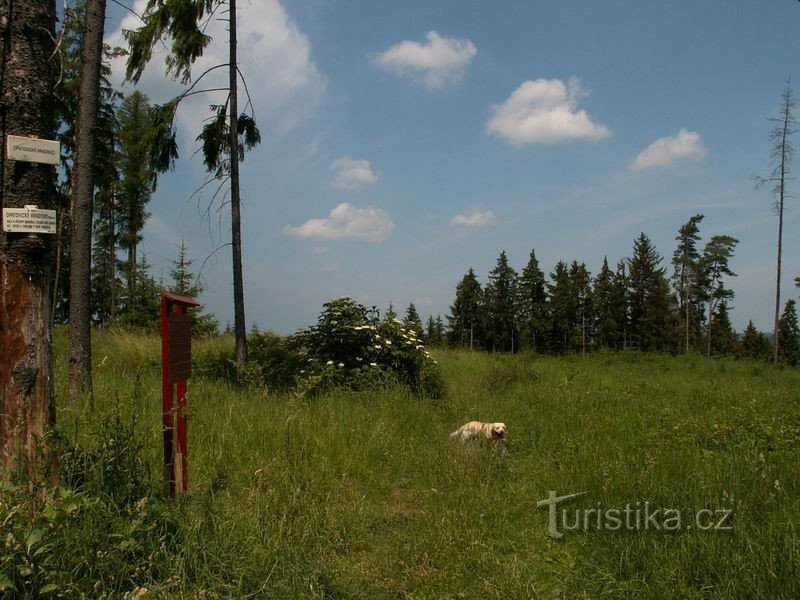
x=359 y=359
x=377 y=346
x=330 y=362
x=341 y=364
x=388 y=342
x=373 y=364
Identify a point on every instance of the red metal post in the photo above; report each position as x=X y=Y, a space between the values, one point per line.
x=182 y=479
x=166 y=399
x=178 y=367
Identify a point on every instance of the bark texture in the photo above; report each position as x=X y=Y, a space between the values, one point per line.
x=80 y=286
x=239 y=329
x=27 y=404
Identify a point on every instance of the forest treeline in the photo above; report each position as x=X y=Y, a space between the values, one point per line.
x=639 y=303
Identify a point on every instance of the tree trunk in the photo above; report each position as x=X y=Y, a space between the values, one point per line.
x=27 y=403
x=710 y=320
x=240 y=332
x=80 y=287
x=778 y=280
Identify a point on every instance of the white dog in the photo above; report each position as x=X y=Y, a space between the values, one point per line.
x=490 y=431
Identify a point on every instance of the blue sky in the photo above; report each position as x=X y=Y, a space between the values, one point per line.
x=405 y=142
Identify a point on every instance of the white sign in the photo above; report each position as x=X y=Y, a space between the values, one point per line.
x=29 y=220
x=33 y=150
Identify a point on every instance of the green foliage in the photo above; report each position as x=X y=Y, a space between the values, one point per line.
x=688 y=279
x=532 y=305
x=412 y=321
x=651 y=316
x=755 y=344
x=364 y=495
x=184 y=283
x=465 y=321
x=351 y=347
x=102 y=532
x=276 y=364
x=789 y=334
x=500 y=307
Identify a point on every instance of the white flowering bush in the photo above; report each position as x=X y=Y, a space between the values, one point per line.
x=350 y=346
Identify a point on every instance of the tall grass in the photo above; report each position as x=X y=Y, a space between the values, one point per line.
x=364 y=495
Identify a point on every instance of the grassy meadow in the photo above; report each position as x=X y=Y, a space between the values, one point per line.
x=364 y=495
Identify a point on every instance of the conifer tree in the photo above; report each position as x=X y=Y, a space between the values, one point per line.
x=430 y=331
x=184 y=283
x=225 y=135
x=650 y=302
x=137 y=179
x=790 y=334
x=687 y=278
x=532 y=304
x=562 y=307
x=755 y=344
x=391 y=314
x=606 y=310
x=501 y=304
x=465 y=319
x=440 y=331
x=26 y=334
x=143 y=307
x=581 y=284
x=716 y=256
x=781 y=158
x=412 y=320
x=724 y=342
x=621 y=303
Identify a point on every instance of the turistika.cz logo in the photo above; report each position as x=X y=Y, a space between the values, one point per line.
x=639 y=516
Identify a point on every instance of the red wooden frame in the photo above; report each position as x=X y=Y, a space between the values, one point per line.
x=174 y=417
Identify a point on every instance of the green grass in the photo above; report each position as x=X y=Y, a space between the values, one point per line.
x=359 y=495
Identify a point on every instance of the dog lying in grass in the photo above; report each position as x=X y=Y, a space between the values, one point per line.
x=476 y=429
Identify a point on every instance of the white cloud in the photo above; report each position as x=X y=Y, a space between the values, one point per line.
x=274 y=56
x=545 y=111
x=347 y=222
x=474 y=218
x=436 y=63
x=352 y=174
x=664 y=151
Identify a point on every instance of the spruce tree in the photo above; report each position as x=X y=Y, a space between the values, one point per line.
x=687 y=278
x=136 y=174
x=724 y=342
x=184 y=283
x=224 y=137
x=26 y=334
x=430 y=331
x=440 y=330
x=532 y=304
x=412 y=320
x=755 y=344
x=391 y=314
x=621 y=304
x=608 y=329
x=789 y=334
x=650 y=301
x=465 y=319
x=581 y=285
x=561 y=309
x=501 y=303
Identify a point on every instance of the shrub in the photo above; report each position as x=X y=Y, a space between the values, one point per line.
x=102 y=532
x=351 y=347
